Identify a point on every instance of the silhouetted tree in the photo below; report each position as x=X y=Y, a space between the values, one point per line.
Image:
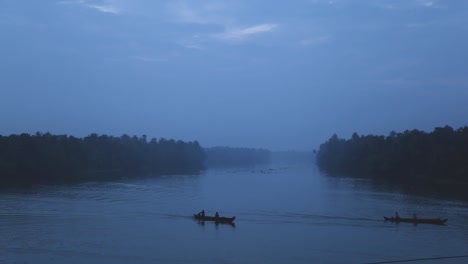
x=440 y=154
x=44 y=158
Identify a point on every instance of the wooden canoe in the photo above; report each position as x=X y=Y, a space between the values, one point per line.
x=435 y=221
x=215 y=219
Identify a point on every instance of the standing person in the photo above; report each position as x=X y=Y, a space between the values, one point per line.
x=217 y=215
x=397 y=216
x=202 y=213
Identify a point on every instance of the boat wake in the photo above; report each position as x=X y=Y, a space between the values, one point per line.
x=269 y=217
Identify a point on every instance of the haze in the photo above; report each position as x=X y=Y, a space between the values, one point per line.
x=273 y=74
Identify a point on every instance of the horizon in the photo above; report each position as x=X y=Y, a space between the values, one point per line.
x=233 y=73
x=240 y=147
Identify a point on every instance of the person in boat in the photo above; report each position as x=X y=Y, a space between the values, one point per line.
x=217 y=215
x=397 y=216
x=202 y=213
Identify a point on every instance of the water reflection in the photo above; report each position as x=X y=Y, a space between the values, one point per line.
x=304 y=215
x=216 y=224
x=436 y=190
x=233 y=225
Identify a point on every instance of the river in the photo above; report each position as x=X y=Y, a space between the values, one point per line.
x=285 y=213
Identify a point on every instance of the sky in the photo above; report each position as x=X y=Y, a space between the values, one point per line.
x=280 y=75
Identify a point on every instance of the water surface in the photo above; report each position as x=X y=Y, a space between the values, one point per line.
x=285 y=214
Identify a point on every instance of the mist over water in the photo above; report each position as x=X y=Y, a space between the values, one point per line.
x=285 y=213
x=100 y=90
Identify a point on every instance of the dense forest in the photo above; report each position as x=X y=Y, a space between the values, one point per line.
x=45 y=158
x=231 y=157
x=440 y=155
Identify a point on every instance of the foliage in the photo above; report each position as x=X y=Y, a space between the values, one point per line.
x=441 y=154
x=44 y=158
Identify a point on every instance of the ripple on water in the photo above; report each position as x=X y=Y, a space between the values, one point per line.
x=300 y=214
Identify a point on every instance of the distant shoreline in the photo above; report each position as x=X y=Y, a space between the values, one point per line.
x=43 y=158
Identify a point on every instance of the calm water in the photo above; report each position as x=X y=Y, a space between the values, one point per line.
x=285 y=214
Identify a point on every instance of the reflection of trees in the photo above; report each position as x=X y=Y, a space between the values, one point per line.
x=46 y=158
x=440 y=154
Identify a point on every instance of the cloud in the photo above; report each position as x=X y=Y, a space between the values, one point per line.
x=384 y=4
x=211 y=16
x=203 y=14
x=240 y=33
x=406 y=4
x=426 y=3
x=433 y=4
x=106 y=7
x=190 y=45
x=184 y=14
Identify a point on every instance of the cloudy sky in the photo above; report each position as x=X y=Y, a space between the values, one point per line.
x=253 y=73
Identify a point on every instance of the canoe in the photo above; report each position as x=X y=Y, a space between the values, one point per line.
x=215 y=219
x=435 y=221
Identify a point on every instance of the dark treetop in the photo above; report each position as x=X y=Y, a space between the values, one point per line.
x=44 y=158
x=440 y=155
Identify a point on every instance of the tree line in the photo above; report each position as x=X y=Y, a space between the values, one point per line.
x=412 y=155
x=45 y=158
